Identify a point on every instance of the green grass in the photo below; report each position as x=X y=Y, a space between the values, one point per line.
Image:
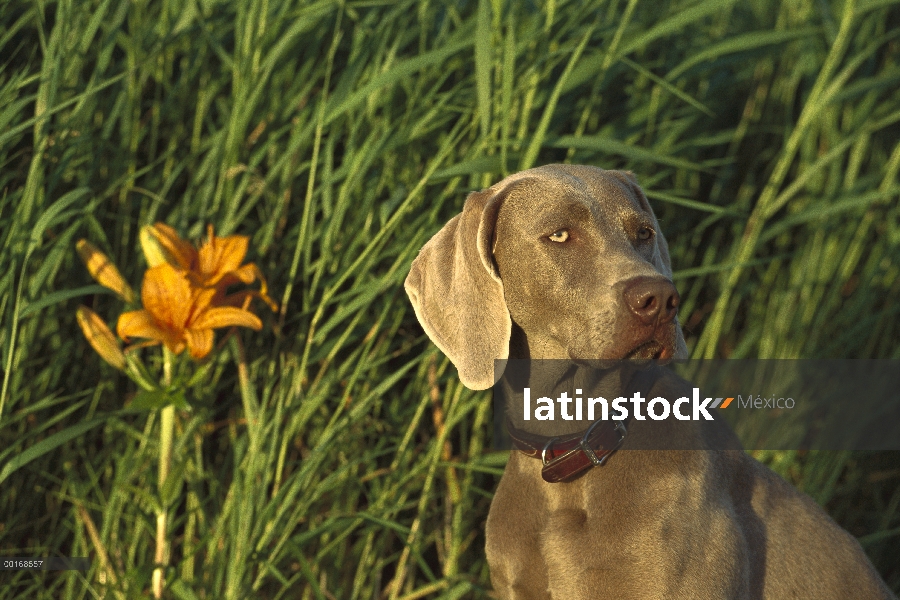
x=341 y=136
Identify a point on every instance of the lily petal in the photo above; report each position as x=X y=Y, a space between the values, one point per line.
x=103 y=270
x=199 y=342
x=245 y=274
x=168 y=296
x=139 y=323
x=219 y=256
x=202 y=299
x=227 y=316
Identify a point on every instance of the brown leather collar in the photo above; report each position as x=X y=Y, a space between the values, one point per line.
x=564 y=457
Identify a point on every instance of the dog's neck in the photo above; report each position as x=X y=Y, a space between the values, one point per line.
x=551 y=373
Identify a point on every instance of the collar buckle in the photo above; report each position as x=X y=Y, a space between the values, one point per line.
x=585 y=446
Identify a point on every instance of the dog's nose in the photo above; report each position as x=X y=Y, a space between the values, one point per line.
x=653 y=300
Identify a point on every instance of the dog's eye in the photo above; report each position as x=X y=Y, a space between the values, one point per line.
x=559 y=236
x=644 y=234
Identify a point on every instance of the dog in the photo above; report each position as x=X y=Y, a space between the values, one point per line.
x=568 y=262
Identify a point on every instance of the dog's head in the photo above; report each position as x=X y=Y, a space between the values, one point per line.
x=573 y=255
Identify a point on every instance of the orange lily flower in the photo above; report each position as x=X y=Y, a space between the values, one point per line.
x=217 y=263
x=179 y=314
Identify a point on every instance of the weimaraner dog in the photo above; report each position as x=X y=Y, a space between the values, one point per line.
x=568 y=262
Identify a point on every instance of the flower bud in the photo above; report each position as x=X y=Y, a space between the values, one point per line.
x=100 y=337
x=103 y=270
x=161 y=244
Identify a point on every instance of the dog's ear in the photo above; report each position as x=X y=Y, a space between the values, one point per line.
x=661 y=258
x=455 y=289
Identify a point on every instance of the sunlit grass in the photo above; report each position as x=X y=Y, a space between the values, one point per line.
x=347 y=461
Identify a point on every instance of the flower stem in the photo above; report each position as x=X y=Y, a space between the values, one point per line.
x=166 y=433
